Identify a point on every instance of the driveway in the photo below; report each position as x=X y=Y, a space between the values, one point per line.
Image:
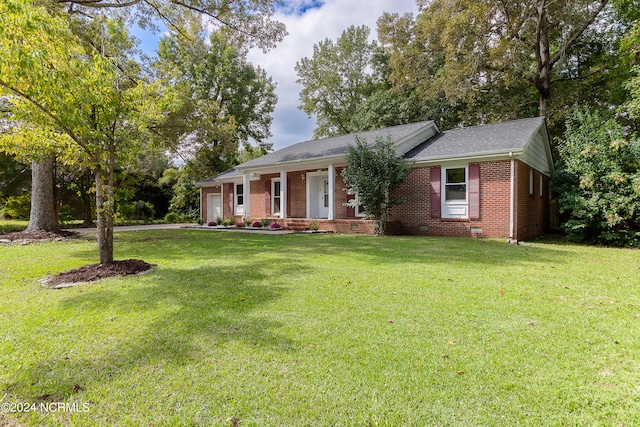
x=119 y=228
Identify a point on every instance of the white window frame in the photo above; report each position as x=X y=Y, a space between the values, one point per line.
x=273 y=196
x=357 y=212
x=454 y=208
x=239 y=207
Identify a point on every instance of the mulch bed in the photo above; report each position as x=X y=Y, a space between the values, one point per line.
x=92 y=272
x=37 y=235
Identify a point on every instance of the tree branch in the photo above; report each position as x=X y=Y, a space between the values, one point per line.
x=47 y=113
x=578 y=33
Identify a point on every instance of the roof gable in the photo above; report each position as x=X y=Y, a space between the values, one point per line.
x=526 y=138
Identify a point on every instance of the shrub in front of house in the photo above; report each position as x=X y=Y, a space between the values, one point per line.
x=275 y=226
x=212 y=224
x=264 y=222
x=239 y=224
x=256 y=224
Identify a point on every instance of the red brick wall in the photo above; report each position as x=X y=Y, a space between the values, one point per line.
x=531 y=216
x=532 y=210
x=415 y=213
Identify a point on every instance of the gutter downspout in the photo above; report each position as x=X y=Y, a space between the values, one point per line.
x=512 y=203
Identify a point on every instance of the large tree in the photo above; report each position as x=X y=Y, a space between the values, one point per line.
x=87 y=94
x=250 y=21
x=227 y=101
x=507 y=59
x=336 y=80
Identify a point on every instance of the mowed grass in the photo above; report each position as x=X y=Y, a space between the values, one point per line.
x=324 y=330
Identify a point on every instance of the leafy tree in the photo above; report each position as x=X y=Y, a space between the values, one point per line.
x=373 y=173
x=227 y=102
x=631 y=47
x=503 y=59
x=186 y=196
x=336 y=80
x=88 y=93
x=598 y=180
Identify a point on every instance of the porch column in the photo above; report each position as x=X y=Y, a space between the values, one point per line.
x=246 y=194
x=332 y=192
x=283 y=194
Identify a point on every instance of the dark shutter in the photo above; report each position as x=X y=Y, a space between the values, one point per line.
x=474 y=191
x=351 y=212
x=436 y=201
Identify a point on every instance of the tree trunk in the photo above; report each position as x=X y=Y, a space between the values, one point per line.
x=105 y=233
x=543 y=58
x=43 y=216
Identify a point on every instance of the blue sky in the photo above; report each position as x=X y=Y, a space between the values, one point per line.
x=308 y=22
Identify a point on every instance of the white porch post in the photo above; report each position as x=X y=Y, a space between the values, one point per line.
x=246 y=194
x=283 y=194
x=332 y=192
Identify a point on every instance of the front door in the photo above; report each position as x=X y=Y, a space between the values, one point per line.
x=323 y=193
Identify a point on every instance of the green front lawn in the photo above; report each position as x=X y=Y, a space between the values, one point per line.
x=323 y=330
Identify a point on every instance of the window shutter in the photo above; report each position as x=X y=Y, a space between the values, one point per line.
x=267 y=197
x=436 y=201
x=351 y=212
x=474 y=191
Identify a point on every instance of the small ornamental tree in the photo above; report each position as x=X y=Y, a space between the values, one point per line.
x=373 y=173
x=598 y=181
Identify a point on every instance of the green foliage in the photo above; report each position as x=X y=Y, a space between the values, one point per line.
x=185 y=200
x=631 y=48
x=64 y=215
x=598 y=181
x=226 y=102
x=507 y=60
x=17 y=207
x=336 y=80
x=373 y=173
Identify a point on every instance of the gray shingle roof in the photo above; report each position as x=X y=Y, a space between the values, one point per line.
x=500 y=138
x=477 y=140
x=331 y=147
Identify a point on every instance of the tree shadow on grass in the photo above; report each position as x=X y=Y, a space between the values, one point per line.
x=169 y=317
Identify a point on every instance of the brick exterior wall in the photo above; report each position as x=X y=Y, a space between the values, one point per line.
x=414 y=216
x=495 y=187
x=532 y=210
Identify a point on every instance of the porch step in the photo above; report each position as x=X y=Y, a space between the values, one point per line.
x=296 y=225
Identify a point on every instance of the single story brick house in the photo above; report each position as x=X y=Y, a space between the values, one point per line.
x=484 y=181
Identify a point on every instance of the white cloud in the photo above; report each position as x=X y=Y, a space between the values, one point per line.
x=308 y=22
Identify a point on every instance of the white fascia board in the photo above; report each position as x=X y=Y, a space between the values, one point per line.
x=207 y=184
x=423 y=134
x=297 y=165
x=484 y=157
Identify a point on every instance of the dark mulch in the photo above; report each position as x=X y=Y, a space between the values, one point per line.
x=89 y=273
x=37 y=235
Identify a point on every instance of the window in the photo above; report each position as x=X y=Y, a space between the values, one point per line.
x=275 y=197
x=239 y=195
x=455 y=194
x=531 y=182
x=541 y=186
x=455 y=185
x=359 y=210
